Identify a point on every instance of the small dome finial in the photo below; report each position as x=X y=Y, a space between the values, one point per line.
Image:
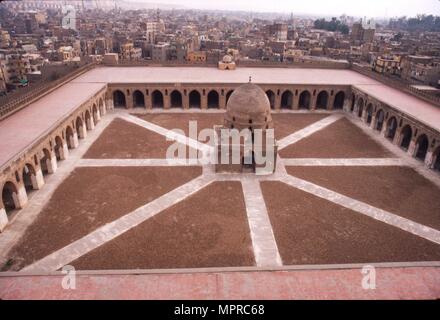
x=250 y=79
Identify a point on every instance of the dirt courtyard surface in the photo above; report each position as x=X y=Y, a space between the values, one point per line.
x=311 y=230
x=90 y=198
x=125 y=140
x=208 y=229
x=399 y=190
x=341 y=139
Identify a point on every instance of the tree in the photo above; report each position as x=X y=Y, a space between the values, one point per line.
x=333 y=25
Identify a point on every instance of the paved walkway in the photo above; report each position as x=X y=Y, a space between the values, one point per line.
x=136 y=162
x=391 y=283
x=169 y=134
x=308 y=131
x=369 y=162
x=263 y=241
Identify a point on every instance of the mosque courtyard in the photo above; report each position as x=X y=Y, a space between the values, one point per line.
x=341 y=194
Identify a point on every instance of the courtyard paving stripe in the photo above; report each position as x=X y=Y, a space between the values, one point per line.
x=363 y=208
x=308 y=131
x=263 y=241
x=167 y=133
x=106 y=233
x=137 y=162
x=345 y=162
x=39 y=198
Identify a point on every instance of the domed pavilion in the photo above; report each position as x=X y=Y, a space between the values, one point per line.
x=248 y=114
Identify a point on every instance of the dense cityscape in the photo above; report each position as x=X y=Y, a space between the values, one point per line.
x=42 y=40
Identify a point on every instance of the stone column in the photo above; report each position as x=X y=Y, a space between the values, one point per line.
x=313 y=101
x=277 y=102
x=74 y=140
x=222 y=102
x=383 y=132
x=203 y=102
x=37 y=179
x=90 y=123
x=98 y=115
x=166 y=102
x=347 y=105
x=185 y=101
x=373 y=121
x=82 y=131
x=295 y=101
x=3 y=219
x=412 y=147
x=20 y=199
x=429 y=160
x=103 y=111
x=331 y=102
x=64 y=153
x=129 y=100
x=396 y=140
x=51 y=163
x=147 y=100
x=364 y=115
x=109 y=104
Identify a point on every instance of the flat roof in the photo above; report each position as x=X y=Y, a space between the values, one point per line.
x=24 y=127
x=424 y=112
x=214 y=75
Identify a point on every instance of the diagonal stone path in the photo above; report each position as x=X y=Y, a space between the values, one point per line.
x=108 y=232
x=167 y=133
x=136 y=162
x=382 y=162
x=263 y=240
x=308 y=131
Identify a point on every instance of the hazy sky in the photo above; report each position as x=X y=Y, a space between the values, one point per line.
x=373 y=8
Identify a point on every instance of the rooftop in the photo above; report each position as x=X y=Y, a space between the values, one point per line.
x=20 y=130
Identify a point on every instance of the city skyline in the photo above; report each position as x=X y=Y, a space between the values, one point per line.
x=372 y=8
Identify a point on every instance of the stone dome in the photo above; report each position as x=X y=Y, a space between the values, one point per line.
x=227 y=59
x=248 y=107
